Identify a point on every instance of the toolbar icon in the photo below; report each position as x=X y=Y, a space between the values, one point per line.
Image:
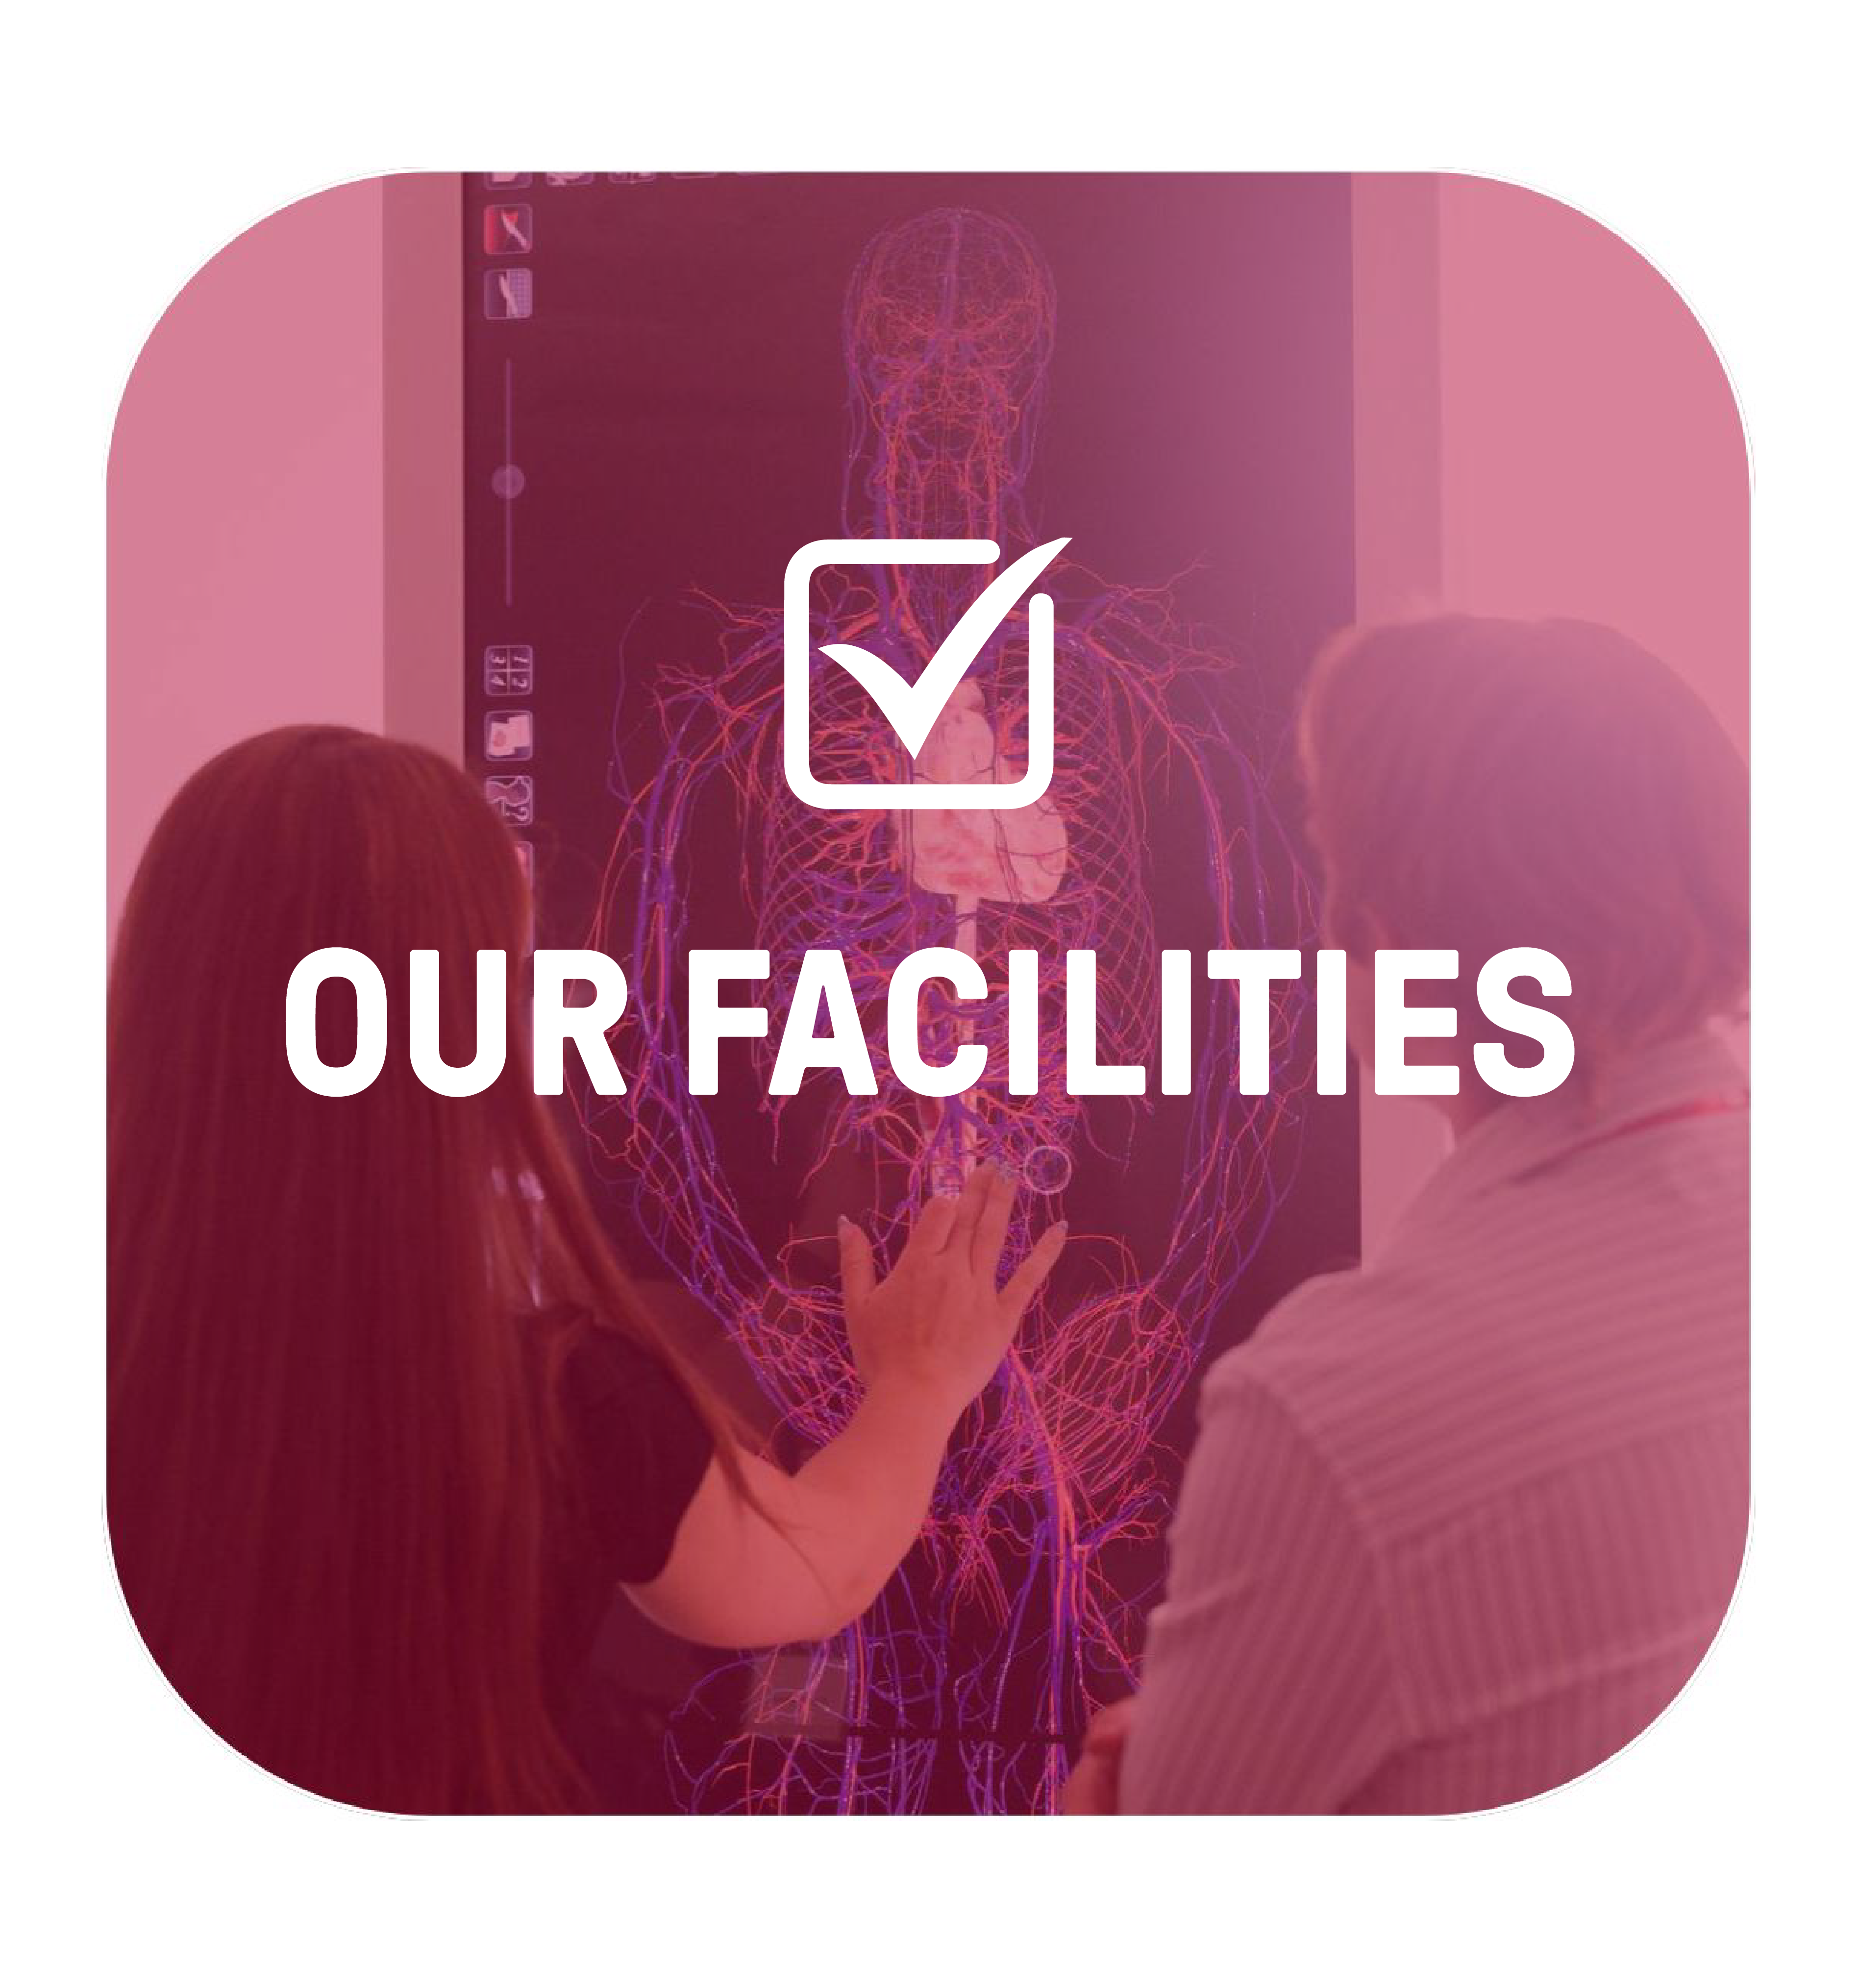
x=509 y=293
x=509 y=229
x=508 y=669
x=509 y=734
x=513 y=797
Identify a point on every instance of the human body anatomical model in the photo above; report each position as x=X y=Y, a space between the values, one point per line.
x=976 y=1668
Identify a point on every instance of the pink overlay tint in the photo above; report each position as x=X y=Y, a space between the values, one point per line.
x=1542 y=426
x=245 y=555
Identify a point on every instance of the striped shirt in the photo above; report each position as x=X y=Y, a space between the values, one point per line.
x=1460 y=1523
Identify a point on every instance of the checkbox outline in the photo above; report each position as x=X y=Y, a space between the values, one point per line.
x=797 y=637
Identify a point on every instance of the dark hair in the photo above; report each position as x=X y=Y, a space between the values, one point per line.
x=332 y=1447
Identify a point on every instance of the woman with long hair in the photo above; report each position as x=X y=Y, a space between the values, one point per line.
x=388 y=1422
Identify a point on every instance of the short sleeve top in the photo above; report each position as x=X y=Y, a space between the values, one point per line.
x=637 y=1449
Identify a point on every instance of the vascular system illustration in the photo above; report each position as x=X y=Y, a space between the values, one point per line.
x=968 y=1680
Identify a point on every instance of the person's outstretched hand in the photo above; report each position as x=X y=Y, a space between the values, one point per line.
x=938 y=1325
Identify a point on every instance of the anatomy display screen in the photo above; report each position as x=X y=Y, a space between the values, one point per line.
x=674 y=384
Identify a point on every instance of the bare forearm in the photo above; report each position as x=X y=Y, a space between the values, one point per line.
x=802 y=1556
x=798 y=1557
x=861 y=1502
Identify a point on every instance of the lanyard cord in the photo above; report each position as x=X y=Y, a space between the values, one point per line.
x=1651 y=1121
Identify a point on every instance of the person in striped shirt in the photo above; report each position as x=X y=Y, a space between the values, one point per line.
x=1460 y=1524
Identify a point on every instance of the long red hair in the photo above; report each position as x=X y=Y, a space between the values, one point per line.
x=331 y=1451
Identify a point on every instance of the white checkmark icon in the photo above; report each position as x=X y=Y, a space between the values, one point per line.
x=913 y=708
